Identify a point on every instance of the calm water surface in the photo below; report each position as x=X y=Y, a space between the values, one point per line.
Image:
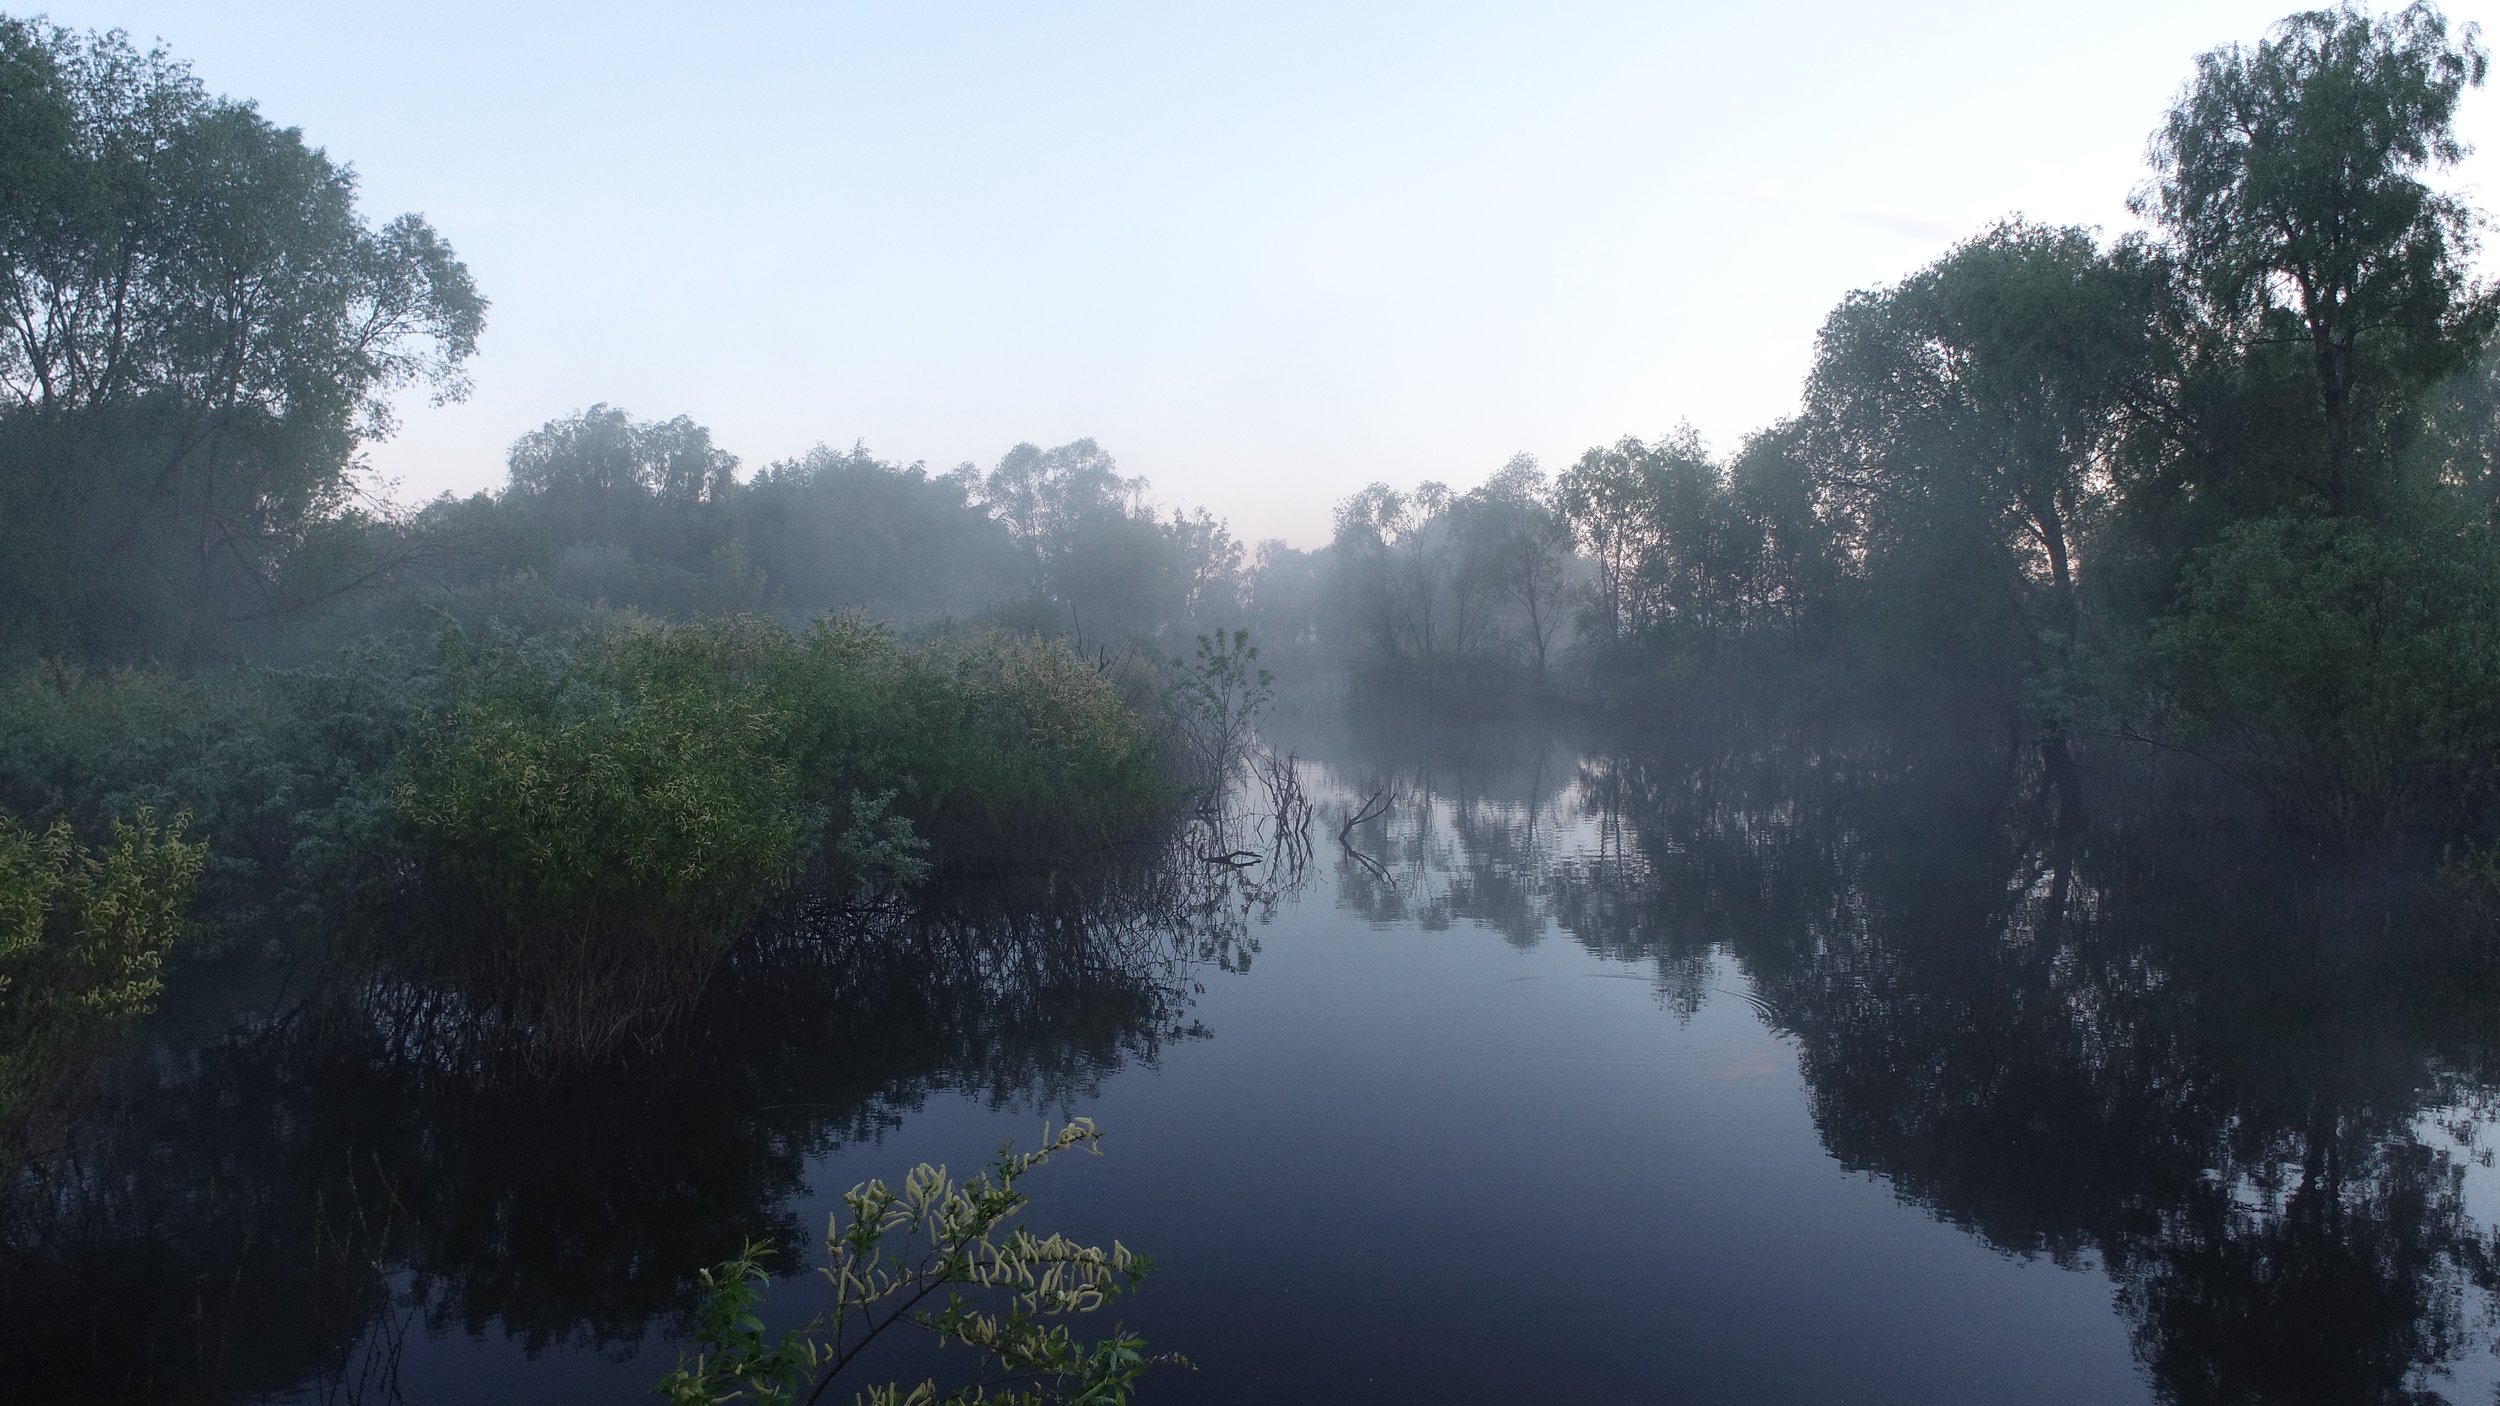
x=1775 y=1072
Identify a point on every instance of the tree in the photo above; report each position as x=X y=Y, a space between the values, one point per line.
x=197 y=330
x=1288 y=596
x=831 y=531
x=1109 y=567
x=2289 y=180
x=602 y=451
x=1691 y=581
x=2346 y=670
x=1422 y=575
x=1990 y=388
x=1521 y=546
x=1042 y=494
x=1795 y=572
x=1671 y=549
x=1373 y=529
x=631 y=513
x=599 y=475
x=1603 y=496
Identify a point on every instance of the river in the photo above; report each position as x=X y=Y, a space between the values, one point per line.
x=1739 y=1069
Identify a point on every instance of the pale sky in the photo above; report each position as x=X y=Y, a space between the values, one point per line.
x=1264 y=253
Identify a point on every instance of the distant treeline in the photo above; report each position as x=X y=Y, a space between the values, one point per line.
x=2227 y=485
x=2232 y=485
x=651 y=517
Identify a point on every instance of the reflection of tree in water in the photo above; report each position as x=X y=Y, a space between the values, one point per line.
x=2202 y=1061
x=1522 y=839
x=2162 y=1043
x=282 y=1204
x=1459 y=832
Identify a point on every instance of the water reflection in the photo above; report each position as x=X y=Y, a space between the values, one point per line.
x=284 y=1204
x=2083 y=1019
x=2246 y=1082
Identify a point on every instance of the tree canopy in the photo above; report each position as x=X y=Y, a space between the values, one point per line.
x=2289 y=182
x=200 y=329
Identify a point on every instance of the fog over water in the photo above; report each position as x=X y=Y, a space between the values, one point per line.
x=1644 y=703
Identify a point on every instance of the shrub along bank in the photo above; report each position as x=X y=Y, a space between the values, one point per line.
x=606 y=822
x=564 y=835
x=83 y=934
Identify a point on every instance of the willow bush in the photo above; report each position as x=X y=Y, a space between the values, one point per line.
x=603 y=828
x=83 y=935
x=286 y=775
x=1019 y=755
x=603 y=818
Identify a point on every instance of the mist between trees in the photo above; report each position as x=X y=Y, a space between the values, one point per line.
x=2228 y=488
x=520 y=775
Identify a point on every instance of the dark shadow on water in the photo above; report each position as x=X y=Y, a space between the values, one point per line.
x=277 y=1207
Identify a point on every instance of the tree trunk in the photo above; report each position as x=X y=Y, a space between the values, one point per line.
x=2335 y=396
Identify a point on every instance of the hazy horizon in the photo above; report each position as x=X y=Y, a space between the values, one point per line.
x=1262 y=257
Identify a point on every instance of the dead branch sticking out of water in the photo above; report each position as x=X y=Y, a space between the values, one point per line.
x=1289 y=807
x=1374 y=806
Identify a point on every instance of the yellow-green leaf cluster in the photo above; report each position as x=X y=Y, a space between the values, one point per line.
x=83 y=937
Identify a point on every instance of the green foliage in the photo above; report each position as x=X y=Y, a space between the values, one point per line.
x=572 y=829
x=2290 y=186
x=611 y=812
x=1020 y=755
x=1966 y=415
x=1399 y=598
x=1218 y=699
x=1794 y=587
x=2076 y=480
x=1442 y=587
x=1702 y=568
x=641 y=780
x=201 y=328
x=1110 y=568
x=1009 y=1296
x=83 y=937
x=615 y=820
x=286 y=773
x=1519 y=549
x=2350 y=670
x=602 y=509
x=1657 y=520
x=880 y=847
x=847 y=531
